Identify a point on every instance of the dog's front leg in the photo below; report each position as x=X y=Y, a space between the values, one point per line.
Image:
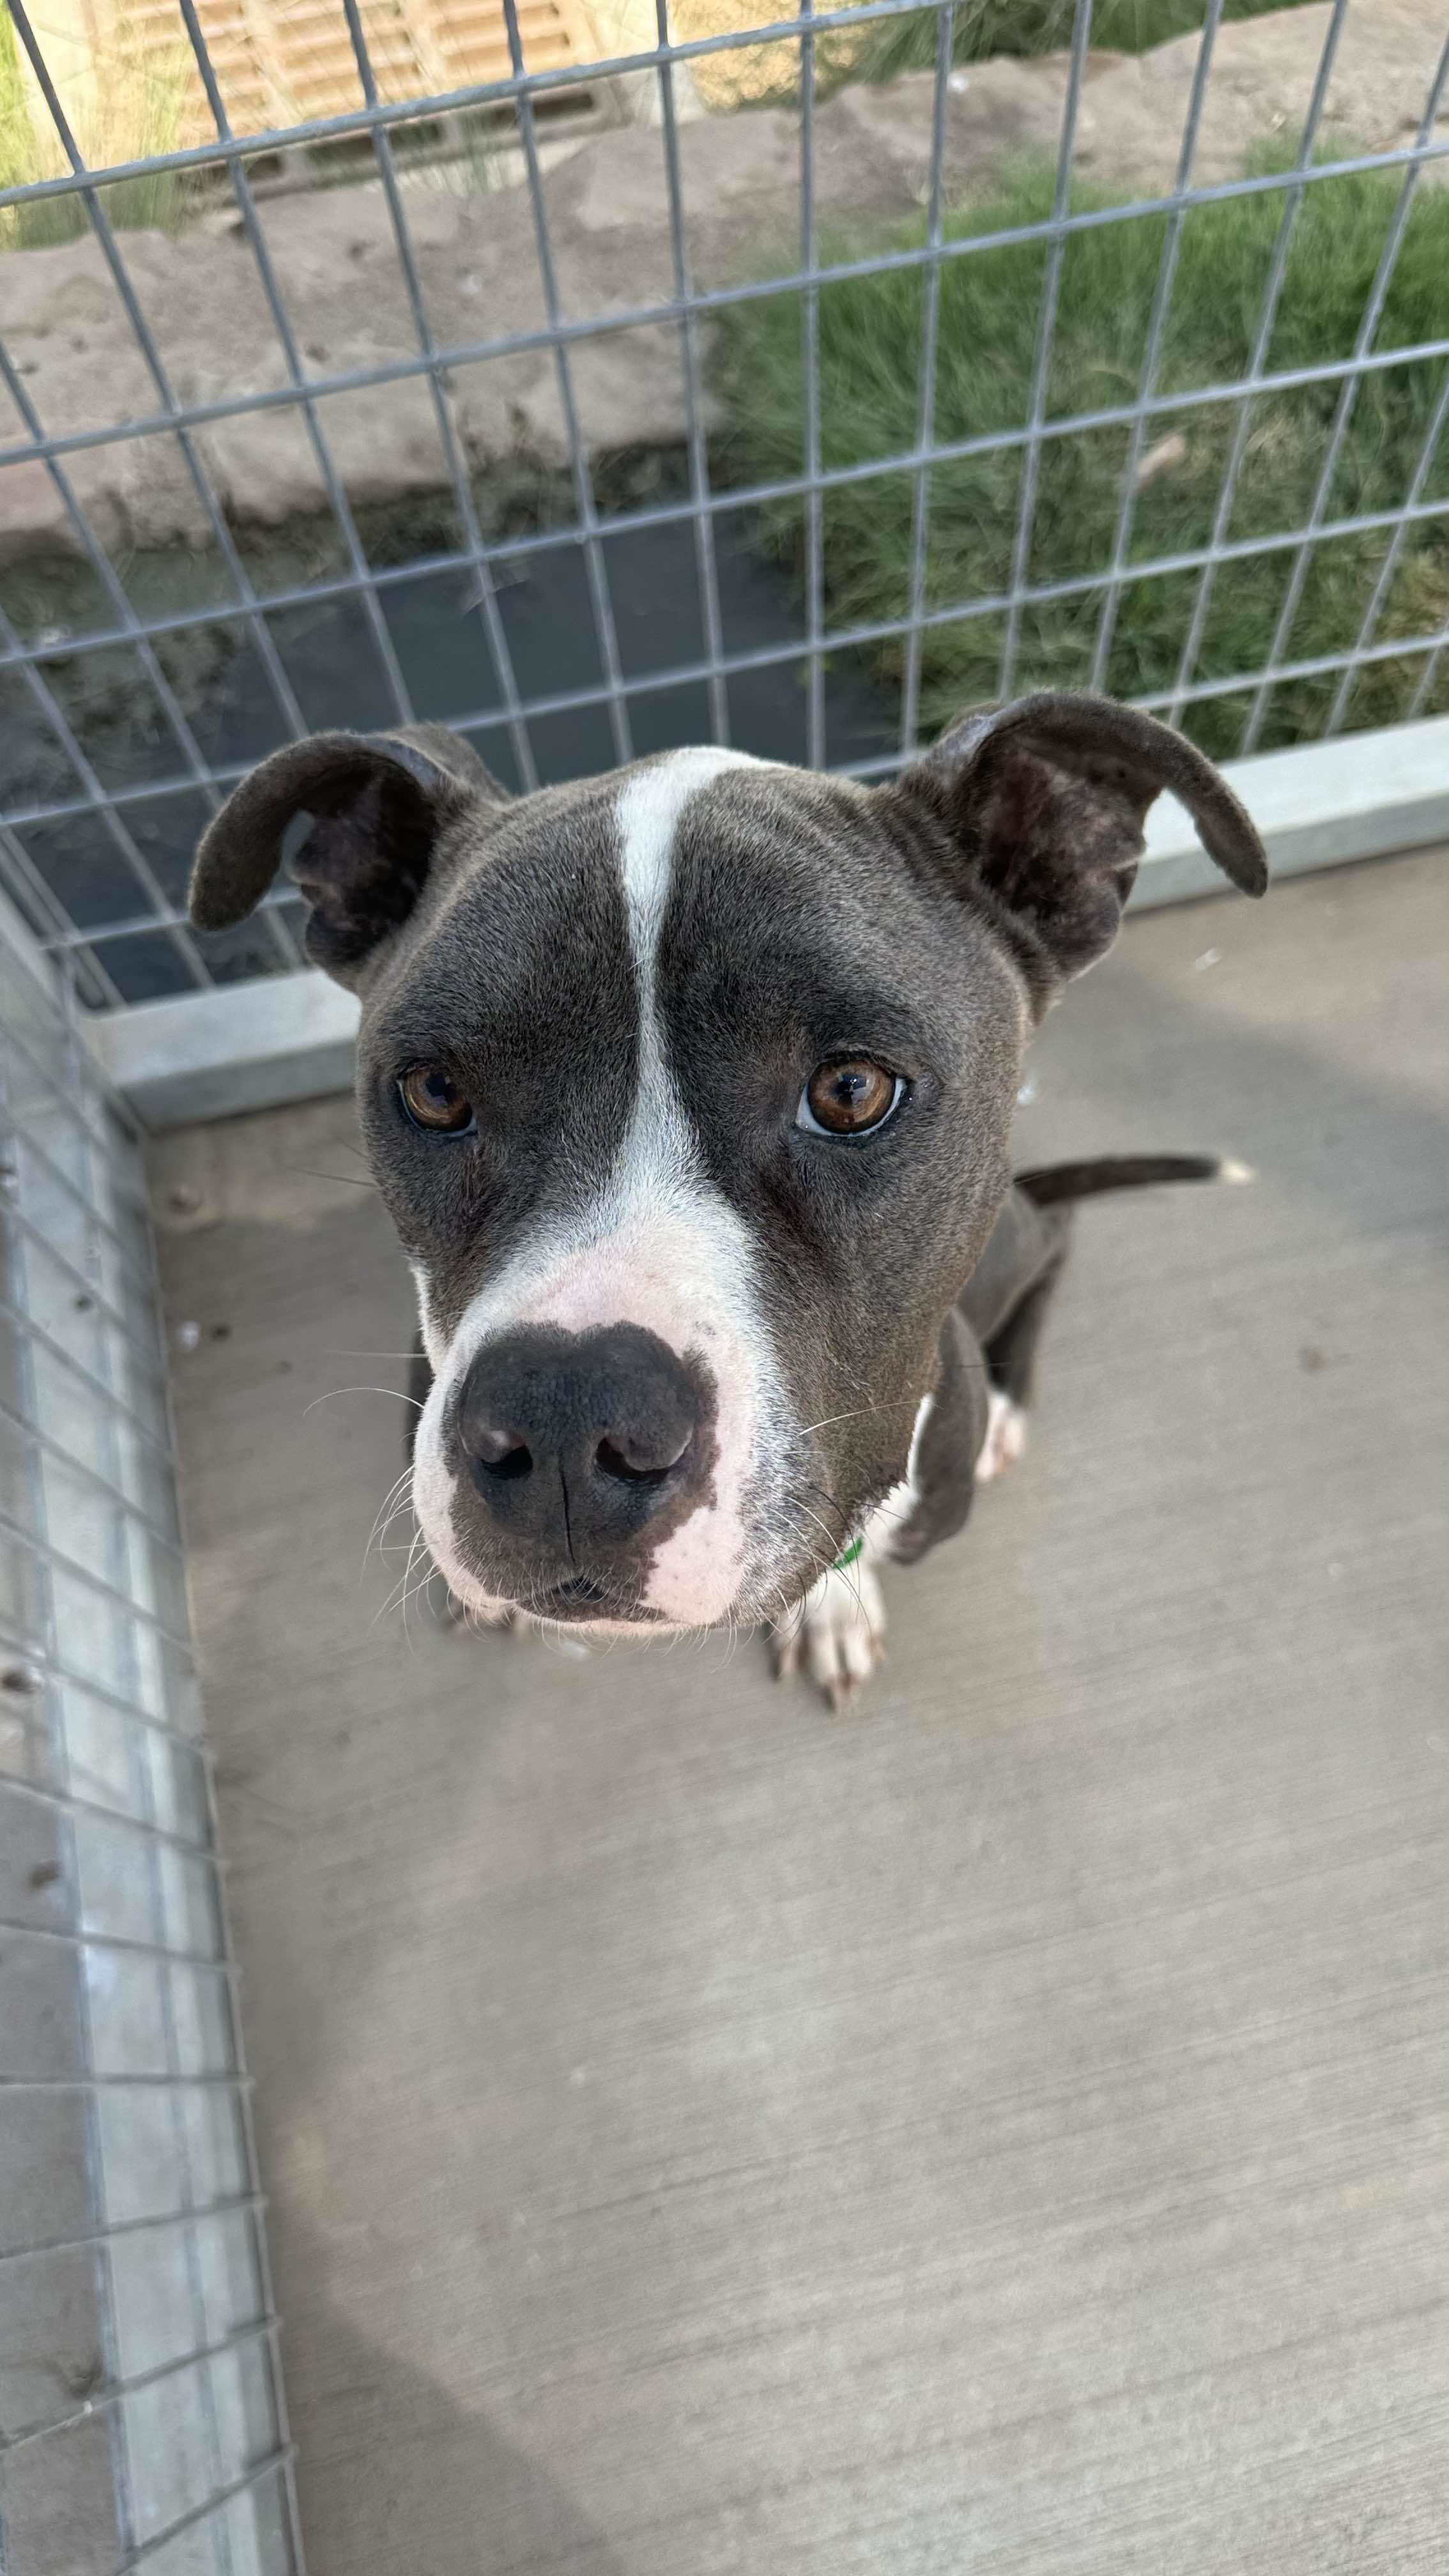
x=837 y=1633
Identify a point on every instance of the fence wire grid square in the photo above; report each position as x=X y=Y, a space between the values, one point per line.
x=96 y=862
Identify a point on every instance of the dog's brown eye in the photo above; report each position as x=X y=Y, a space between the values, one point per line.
x=849 y=1098
x=433 y=1100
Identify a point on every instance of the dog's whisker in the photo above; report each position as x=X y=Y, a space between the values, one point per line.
x=382 y=1539
x=831 y=1542
x=387 y=1512
x=824 y=1495
x=394 y=1392
x=394 y=1546
x=392 y=1601
x=418 y=1543
x=847 y=1572
x=400 y=1588
x=402 y=1594
x=830 y=1419
x=419 y=1589
x=779 y=1612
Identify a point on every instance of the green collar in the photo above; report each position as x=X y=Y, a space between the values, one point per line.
x=851 y=1553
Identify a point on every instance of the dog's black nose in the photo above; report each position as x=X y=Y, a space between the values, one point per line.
x=578 y=1439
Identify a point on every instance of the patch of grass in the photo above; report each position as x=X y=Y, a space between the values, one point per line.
x=1027 y=27
x=870 y=352
x=137 y=109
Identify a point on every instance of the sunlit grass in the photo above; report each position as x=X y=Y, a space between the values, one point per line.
x=136 y=110
x=870 y=343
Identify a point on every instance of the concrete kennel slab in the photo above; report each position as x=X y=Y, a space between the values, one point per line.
x=1004 y=2131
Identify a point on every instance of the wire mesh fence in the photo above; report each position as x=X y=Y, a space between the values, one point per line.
x=141 y=2416
x=660 y=472
x=791 y=424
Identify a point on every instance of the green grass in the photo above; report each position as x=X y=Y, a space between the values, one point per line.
x=137 y=110
x=870 y=336
x=1025 y=27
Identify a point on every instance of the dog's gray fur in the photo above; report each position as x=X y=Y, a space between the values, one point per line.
x=631 y=978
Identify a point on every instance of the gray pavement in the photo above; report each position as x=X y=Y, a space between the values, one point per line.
x=1004 y=2131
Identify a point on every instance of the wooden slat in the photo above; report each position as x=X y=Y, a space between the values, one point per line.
x=281 y=61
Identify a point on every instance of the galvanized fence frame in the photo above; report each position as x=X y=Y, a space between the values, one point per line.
x=142 y=2419
x=688 y=307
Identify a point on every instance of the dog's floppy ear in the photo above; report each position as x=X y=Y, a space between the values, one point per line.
x=1043 y=804
x=376 y=806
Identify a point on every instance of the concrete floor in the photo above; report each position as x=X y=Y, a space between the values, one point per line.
x=1003 y=2131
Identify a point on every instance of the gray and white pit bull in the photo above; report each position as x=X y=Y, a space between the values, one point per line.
x=689 y=1091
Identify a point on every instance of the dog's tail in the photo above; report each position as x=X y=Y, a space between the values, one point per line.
x=1052 y=1183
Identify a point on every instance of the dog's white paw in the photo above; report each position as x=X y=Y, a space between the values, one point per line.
x=837 y=1634
x=1005 y=1439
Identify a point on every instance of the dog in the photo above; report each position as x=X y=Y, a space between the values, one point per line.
x=688 y=1090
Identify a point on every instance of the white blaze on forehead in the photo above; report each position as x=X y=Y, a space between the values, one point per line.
x=659 y=1246
x=651 y=804
x=650 y=810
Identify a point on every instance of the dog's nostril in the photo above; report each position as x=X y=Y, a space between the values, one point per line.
x=637 y=1462
x=572 y=1441
x=499 y=1453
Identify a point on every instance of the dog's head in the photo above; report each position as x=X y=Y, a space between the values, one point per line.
x=689 y=1091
